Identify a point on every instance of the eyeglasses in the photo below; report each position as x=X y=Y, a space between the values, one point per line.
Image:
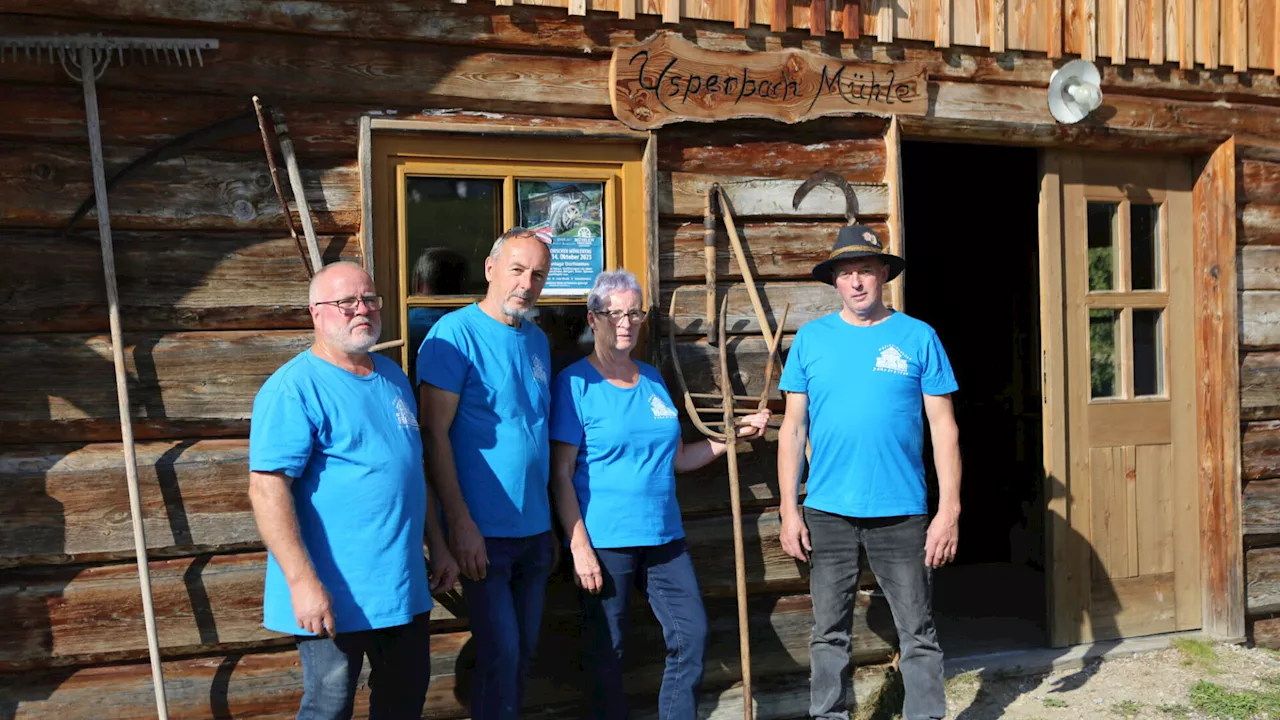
x=348 y=305
x=615 y=316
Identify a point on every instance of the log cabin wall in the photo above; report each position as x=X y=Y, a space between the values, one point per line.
x=213 y=291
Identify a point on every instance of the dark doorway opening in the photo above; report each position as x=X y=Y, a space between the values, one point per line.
x=972 y=229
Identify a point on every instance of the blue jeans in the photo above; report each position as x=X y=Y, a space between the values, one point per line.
x=665 y=574
x=895 y=549
x=505 y=609
x=400 y=670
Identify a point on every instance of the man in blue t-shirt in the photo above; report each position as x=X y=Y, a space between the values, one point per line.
x=336 y=482
x=484 y=373
x=857 y=383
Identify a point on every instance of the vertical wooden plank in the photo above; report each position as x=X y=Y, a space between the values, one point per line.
x=1218 y=385
x=1129 y=477
x=1261 y=35
x=1053 y=373
x=1089 y=50
x=885 y=23
x=742 y=13
x=504 y=3
x=996 y=22
x=1110 y=510
x=1119 y=31
x=1242 y=35
x=364 y=155
x=626 y=9
x=1154 y=499
x=897 y=233
x=1155 y=51
x=671 y=11
x=942 y=28
x=1209 y=33
x=817 y=17
x=852 y=19
x=1186 y=33
x=780 y=16
x=577 y=7
x=1053 y=30
x=649 y=162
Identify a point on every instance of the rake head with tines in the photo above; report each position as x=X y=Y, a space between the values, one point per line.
x=70 y=51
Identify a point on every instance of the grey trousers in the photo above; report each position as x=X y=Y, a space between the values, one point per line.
x=895 y=549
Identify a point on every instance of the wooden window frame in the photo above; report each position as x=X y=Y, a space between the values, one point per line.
x=393 y=149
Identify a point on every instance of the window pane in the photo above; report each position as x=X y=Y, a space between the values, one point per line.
x=567 y=333
x=1144 y=245
x=1102 y=353
x=1102 y=255
x=450 y=224
x=573 y=213
x=1148 y=353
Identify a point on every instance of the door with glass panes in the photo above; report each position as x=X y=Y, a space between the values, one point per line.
x=1126 y=546
x=440 y=202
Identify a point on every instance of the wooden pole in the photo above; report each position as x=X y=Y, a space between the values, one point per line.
x=274 y=172
x=295 y=181
x=87 y=72
x=747 y=278
x=709 y=258
x=735 y=502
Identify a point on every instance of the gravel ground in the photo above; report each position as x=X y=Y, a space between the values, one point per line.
x=1229 y=682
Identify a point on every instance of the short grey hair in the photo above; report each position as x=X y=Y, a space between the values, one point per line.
x=609 y=283
x=514 y=232
x=312 y=289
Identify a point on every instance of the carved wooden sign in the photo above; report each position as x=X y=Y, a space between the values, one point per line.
x=668 y=79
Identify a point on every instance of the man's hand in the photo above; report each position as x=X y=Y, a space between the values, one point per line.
x=795 y=536
x=586 y=570
x=312 y=607
x=444 y=568
x=467 y=545
x=943 y=539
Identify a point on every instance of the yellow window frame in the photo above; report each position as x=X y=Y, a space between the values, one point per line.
x=394 y=158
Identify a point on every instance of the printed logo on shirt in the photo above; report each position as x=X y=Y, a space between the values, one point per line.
x=661 y=410
x=892 y=360
x=539 y=370
x=404 y=414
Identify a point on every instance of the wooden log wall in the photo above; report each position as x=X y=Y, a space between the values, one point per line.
x=1258 y=196
x=212 y=290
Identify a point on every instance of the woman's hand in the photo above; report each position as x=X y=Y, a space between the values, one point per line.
x=586 y=569
x=750 y=426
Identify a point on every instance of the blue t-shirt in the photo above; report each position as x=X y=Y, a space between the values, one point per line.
x=352 y=446
x=627 y=440
x=501 y=375
x=865 y=387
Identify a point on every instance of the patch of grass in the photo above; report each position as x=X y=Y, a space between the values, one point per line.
x=1054 y=703
x=964 y=680
x=1175 y=711
x=886 y=702
x=1216 y=701
x=1198 y=652
x=1127 y=708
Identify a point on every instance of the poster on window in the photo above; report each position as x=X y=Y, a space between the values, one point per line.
x=572 y=215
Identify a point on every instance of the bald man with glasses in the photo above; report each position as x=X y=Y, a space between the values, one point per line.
x=338 y=491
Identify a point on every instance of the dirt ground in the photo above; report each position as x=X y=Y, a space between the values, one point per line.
x=1194 y=679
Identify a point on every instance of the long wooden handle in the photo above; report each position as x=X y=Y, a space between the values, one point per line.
x=709 y=258
x=275 y=183
x=735 y=503
x=295 y=181
x=122 y=385
x=747 y=279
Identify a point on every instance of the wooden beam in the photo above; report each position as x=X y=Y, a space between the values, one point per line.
x=763 y=153
x=364 y=159
x=1260 y=385
x=682 y=194
x=896 y=223
x=779 y=250
x=809 y=301
x=1218 y=427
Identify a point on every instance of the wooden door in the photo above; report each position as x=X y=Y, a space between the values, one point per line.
x=1120 y=433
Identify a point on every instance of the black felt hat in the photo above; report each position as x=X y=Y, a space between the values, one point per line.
x=857 y=241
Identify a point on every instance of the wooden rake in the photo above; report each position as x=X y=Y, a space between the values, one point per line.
x=725 y=429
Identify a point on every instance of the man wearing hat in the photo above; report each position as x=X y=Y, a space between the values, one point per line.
x=857 y=382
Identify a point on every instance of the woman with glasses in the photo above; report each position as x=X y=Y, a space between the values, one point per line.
x=616 y=448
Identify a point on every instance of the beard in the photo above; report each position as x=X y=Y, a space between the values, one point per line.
x=353 y=340
x=516 y=311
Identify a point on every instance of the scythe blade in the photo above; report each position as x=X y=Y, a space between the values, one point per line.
x=826 y=176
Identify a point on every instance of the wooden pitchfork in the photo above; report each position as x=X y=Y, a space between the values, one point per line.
x=728 y=425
